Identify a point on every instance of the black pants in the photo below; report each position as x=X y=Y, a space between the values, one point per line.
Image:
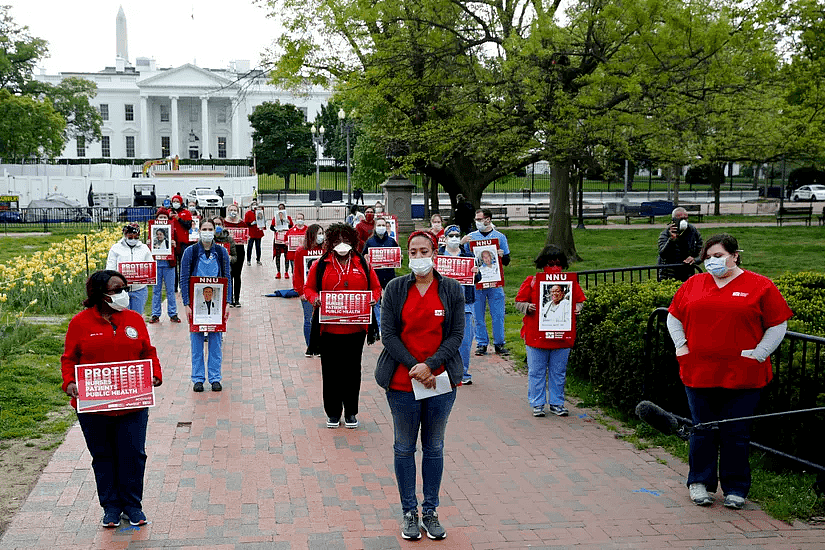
x=236 y=269
x=341 y=372
x=257 y=243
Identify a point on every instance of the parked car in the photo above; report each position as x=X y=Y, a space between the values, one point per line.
x=809 y=193
x=10 y=216
x=204 y=197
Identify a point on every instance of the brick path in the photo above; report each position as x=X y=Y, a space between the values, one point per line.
x=254 y=467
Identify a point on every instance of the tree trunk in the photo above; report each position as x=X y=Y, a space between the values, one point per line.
x=717 y=178
x=675 y=170
x=559 y=231
x=286 y=181
x=434 y=206
x=425 y=184
x=755 y=176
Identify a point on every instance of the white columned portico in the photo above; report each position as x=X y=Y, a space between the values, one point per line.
x=205 y=127
x=174 y=148
x=236 y=129
x=144 y=127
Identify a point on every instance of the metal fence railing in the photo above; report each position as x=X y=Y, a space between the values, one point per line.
x=637 y=274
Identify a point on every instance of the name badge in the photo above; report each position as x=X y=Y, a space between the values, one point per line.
x=439 y=313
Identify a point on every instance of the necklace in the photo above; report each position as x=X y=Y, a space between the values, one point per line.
x=342 y=271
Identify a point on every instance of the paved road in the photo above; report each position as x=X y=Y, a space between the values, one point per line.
x=254 y=467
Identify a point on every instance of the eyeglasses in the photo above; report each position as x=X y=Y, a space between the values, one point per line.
x=114 y=291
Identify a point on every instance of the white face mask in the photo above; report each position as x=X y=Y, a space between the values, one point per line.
x=175 y=205
x=207 y=236
x=380 y=231
x=299 y=222
x=437 y=226
x=132 y=242
x=480 y=225
x=421 y=266
x=233 y=214
x=342 y=249
x=453 y=242
x=119 y=301
x=718 y=266
x=319 y=239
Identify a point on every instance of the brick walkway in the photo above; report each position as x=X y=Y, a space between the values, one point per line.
x=254 y=467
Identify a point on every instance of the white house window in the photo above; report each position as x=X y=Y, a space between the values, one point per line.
x=104 y=111
x=130 y=112
x=193 y=115
x=222 y=115
x=105 y=147
x=221 y=147
x=130 y=146
x=81 y=146
x=165 y=146
x=164 y=113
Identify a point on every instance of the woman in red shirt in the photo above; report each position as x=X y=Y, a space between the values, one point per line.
x=725 y=324
x=281 y=224
x=255 y=222
x=106 y=332
x=233 y=219
x=341 y=268
x=422 y=326
x=299 y=228
x=547 y=358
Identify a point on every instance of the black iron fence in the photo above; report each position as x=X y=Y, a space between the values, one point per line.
x=634 y=274
x=798 y=384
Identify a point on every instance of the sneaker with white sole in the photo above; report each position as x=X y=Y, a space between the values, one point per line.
x=558 y=410
x=351 y=422
x=333 y=422
x=431 y=525
x=410 y=529
x=734 y=502
x=699 y=494
x=538 y=411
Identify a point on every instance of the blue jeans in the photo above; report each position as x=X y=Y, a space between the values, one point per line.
x=118 y=448
x=467 y=343
x=166 y=278
x=307 y=307
x=137 y=299
x=495 y=297
x=546 y=369
x=376 y=312
x=730 y=443
x=430 y=416
x=214 y=341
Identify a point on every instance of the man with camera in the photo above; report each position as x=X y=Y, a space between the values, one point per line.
x=679 y=242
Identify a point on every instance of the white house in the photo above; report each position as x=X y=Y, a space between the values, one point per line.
x=187 y=111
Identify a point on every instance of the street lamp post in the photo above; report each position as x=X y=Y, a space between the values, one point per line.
x=346 y=126
x=318 y=139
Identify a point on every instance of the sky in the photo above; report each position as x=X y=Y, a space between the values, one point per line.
x=81 y=34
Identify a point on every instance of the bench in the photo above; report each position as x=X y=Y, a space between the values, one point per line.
x=538 y=213
x=804 y=213
x=636 y=211
x=694 y=211
x=499 y=213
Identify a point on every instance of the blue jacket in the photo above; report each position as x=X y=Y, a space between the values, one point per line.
x=189 y=266
x=469 y=290
x=385 y=275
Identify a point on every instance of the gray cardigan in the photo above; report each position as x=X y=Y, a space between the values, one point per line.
x=394 y=352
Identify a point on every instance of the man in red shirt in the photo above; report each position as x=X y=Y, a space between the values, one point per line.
x=365 y=228
x=256 y=223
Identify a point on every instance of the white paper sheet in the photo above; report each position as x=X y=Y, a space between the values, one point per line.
x=442 y=385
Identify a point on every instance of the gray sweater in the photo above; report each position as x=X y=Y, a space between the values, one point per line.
x=392 y=302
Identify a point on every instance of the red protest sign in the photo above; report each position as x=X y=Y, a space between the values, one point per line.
x=456 y=267
x=488 y=262
x=384 y=257
x=114 y=386
x=139 y=273
x=280 y=237
x=295 y=241
x=345 y=307
x=239 y=234
x=207 y=298
x=555 y=305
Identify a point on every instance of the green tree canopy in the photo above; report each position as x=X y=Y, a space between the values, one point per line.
x=29 y=127
x=282 y=142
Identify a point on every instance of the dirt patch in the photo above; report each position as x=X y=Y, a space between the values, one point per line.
x=22 y=461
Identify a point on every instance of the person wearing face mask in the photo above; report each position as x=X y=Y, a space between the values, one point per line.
x=725 y=325
x=452 y=247
x=546 y=358
x=205 y=259
x=380 y=238
x=165 y=278
x=233 y=219
x=181 y=220
x=256 y=232
x=437 y=228
x=495 y=295
x=365 y=228
x=131 y=249
x=341 y=267
x=679 y=242
x=422 y=326
x=281 y=224
x=107 y=332
x=300 y=230
x=224 y=239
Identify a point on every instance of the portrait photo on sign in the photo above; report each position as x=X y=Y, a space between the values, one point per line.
x=308 y=261
x=161 y=244
x=556 y=306
x=208 y=302
x=487 y=261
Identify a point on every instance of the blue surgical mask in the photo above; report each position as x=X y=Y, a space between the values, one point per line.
x=207 y=236
x=218 y=229
x=717 y=266
x=380 y=231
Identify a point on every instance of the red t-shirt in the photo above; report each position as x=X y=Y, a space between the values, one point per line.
x=422 y=320
x=294 y=230
x=255 y=232
x=364 y=230
x=92 y=339
x=529 y=292
x=349 y=276
x=721 y=322
x=298 y=273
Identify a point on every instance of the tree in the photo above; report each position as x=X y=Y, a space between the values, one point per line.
x=72 y=99
x=282 y=142
x=29 y=127
x=19 y=54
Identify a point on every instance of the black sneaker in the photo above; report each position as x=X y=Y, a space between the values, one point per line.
x=135 y=516
x=333 y=422
x=501 y=350
x=409 y=526
x=216 y=386
x=111 y=518
x=198 y=387
x=237 y=304
x=481 y=350
x=558 y=410
x=351 y=422
x=430 y=523
x=307 y=353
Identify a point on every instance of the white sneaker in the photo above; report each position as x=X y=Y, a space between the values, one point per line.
x=734 y=502
x=699 y=494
